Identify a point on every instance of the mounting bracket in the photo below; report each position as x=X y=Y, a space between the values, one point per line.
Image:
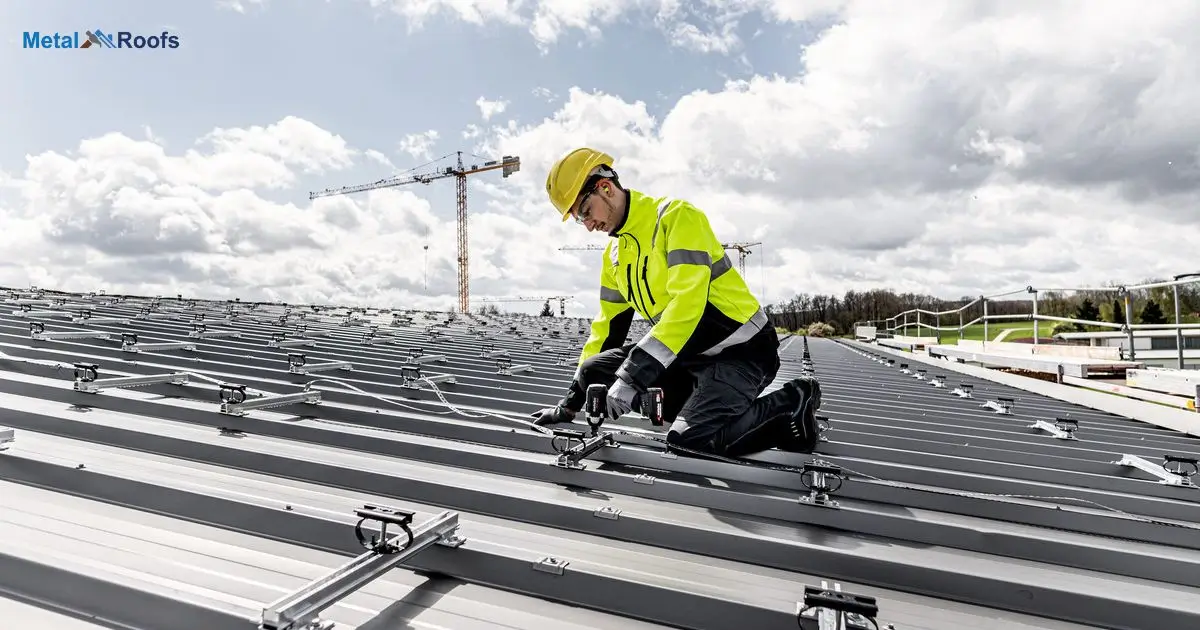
x=234 y=401
x=201 y=331
x=822 y=480
x=412 y=377
x=87 y=379
x=7 y=437
x=1062 y=429
x=300 y=610
x=1002 y=406
x=85 y=317
x=938 y=380
x=581 y=445
x=298 y=364
x=489 y=351
x=594 y=412
x=371 y=339
x=129 y=343
x=37 y=330
x=828 y=608
x=280 y=340
x=417 y=356
x=1176 y=470
x=504 y=365
x=963 y=390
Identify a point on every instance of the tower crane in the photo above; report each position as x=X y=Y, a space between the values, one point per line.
x=743 y=250
x=508 y=165
x=562 y=301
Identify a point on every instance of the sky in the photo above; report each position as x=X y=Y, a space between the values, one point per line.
x=948 y=147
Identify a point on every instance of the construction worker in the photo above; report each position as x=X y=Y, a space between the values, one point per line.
x=710 y=348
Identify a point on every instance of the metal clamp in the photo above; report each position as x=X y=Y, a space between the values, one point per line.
x=384 y=516
x=821 y=480
x=828 y=608
x=1175 y=470
x=301 y=609
x=594 y=409
x=1002 y=406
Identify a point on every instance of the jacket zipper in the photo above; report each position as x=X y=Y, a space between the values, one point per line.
x=645 y=265
x=629 y=290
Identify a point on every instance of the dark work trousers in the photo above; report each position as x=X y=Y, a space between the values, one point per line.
x=712 y=403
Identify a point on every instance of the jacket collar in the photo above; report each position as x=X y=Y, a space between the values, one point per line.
x=637 y=214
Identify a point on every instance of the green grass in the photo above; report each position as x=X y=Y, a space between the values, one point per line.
x=1022 y=330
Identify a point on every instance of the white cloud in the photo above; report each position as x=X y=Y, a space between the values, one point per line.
x=240 y=6
x=379 y=158
x=949 y=147
x=488 y=108
x=123 y=214
x=545 y=94
x=420 y=145
x=701 y=25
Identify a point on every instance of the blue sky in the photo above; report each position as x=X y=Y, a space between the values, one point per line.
x=355 y=70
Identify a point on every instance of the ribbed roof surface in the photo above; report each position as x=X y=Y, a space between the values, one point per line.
x=147 y=507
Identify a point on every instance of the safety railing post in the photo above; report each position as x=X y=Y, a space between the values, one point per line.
x=1178 y=328
x=986 y=336
x=1036 y=333
x=1129 y=322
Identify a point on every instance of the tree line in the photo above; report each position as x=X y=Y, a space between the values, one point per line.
x=1150 y=306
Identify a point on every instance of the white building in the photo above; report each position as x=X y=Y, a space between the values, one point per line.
x=1155 y=348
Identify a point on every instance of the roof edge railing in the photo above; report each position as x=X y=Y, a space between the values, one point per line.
x=913 y=316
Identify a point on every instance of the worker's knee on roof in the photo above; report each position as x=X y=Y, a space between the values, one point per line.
x=685 y=435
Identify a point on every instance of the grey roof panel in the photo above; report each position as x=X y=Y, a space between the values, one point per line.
x=927 y=506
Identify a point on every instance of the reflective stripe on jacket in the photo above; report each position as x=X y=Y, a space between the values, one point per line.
x=666 y=264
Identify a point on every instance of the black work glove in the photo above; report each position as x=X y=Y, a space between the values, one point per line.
x=553 y=415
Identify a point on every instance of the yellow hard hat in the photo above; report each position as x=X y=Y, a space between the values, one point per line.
x=568 y=175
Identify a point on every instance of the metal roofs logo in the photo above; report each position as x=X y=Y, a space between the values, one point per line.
x=99 y=39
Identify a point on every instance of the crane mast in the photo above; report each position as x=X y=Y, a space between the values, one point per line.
x=507 y=165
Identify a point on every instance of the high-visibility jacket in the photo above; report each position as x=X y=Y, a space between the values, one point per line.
x=666 y=264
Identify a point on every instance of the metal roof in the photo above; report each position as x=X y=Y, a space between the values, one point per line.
x=148 y=506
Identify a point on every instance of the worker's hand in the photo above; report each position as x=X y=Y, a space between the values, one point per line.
x=553 y=415
x=620 y=400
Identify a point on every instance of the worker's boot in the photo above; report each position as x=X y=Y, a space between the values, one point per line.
x=787 y=422
x=798 y=430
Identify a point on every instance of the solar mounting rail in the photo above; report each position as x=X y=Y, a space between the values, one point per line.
x=490 y=431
